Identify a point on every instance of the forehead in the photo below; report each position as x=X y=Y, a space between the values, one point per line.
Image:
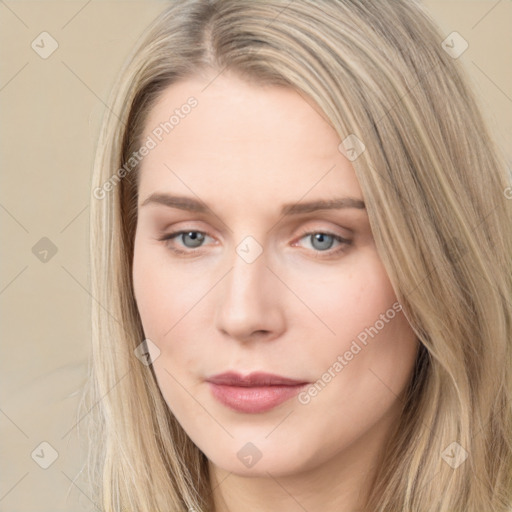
x=242 y=135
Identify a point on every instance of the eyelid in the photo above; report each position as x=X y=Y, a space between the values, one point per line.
x=342 y=241
x=187 y=251
x=319 y=229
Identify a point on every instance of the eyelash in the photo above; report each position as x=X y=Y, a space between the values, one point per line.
x=329 y=253
x=344 y=243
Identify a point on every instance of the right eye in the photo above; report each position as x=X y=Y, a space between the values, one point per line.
x=190 y=240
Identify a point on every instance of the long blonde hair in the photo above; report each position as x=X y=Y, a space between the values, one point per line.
x=436 y=193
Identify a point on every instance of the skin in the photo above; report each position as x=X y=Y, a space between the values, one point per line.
x=245 y=151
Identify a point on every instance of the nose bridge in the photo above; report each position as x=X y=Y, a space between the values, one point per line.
x=248 y=301
x=247 y=280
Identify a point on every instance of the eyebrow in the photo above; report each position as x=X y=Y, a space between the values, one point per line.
x=193 y=205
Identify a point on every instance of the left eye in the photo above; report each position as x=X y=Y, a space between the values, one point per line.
x=323 y=241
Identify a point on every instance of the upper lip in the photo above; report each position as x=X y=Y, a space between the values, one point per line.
x=252 y=380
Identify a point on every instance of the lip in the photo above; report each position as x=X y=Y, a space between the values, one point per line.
x=254 y=393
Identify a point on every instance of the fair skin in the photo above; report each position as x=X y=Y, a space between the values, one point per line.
x=245 y=151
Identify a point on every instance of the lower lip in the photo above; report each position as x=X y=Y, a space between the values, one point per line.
x=253 y=399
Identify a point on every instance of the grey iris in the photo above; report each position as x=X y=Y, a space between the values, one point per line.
x=322 y=241
x=195 y=238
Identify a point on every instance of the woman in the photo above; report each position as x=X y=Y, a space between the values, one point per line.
x=300 y=260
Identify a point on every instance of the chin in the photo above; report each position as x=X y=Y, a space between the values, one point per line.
x=251 y=461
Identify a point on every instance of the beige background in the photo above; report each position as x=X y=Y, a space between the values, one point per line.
x=51 y=110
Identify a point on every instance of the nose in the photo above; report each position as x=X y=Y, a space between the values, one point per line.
x=250 y=305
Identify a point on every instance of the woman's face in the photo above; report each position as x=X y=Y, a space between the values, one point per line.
x=253 y=253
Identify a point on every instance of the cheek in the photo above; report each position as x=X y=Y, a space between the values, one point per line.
x=366 y=338
x=164 y=295
x=176 y=315
x=151 y=294
x=349 y=299
x=166 y=300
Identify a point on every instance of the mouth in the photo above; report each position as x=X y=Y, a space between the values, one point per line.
x=254 y=393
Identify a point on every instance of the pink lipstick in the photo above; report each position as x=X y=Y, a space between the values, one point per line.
x=255 y=393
